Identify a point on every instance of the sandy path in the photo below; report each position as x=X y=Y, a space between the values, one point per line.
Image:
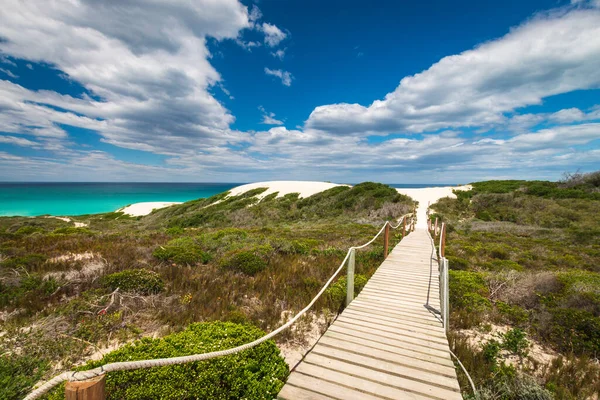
x=428 y=196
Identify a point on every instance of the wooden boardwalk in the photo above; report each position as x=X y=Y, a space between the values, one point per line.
x=386 y=344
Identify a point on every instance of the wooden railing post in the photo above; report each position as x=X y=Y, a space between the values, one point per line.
x=443 y=233
x=386 y=240
x=446 y=298
x=404 y=227
x=350 y=277
x=93 y=389
x=435 y=229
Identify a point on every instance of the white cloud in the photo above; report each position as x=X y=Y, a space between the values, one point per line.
x=273 y=35
x=147 y=61
x=285 y=76
x=278 y=54
x=9 y=73
x=248 y=45
x=552 y=53
x=17 y=141
x=269 y=117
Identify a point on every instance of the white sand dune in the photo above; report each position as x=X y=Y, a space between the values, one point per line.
x=428 y=196
x=305 y=188
x=145 y=208
x=424 y=196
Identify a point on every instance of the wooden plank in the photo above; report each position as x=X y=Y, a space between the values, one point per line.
x=396 y=358
x=357 y=383
x=403 y=351
x=393 y=323
x=324 y=388
x=389 y=367
x=408 y=385
x=406 y=332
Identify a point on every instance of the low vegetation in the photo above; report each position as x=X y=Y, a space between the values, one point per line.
x=67 y=293
x=257 y=373
x=527 y=255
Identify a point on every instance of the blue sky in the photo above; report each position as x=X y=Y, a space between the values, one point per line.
x=398 y=92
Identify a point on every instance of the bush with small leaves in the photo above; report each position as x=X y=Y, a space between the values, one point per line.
x=249 y=261
x=184 y=250
x=139 y=281
x=337 y=291
x=256 y=373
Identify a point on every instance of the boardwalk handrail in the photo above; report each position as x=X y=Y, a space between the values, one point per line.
x=445 y=288
x=124 y=366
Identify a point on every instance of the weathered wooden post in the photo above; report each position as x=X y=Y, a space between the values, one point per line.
x=350 y=277
x=446 y=298
x=443 y=236
x=435 y=229
x=92 y=389
x=403 y=226
x=386 y=240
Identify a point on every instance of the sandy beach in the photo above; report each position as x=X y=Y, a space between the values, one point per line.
x=145 y=208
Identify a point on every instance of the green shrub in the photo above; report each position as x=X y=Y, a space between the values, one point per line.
x=18 y=373
x=514 y=314
x=30 y=291
x=28 y=230
x=457 y=263
x=515 y=341
x=468 y=291
x=502 y=265
x=184 y=250
x=28 y=261
x=337 y=291
x=249 y=261
x=256 y=373
x=574 y=330
x=139 y=281
x=175 y=231
x=71 y=230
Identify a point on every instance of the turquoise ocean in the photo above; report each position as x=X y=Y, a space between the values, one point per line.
x=32 y=199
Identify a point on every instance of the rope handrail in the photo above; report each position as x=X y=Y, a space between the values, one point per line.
x=161 y=362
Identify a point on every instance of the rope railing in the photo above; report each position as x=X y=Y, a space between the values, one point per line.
x=445 y=288
x=161 y=362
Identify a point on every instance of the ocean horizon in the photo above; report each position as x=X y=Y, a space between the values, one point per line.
x=31 y=199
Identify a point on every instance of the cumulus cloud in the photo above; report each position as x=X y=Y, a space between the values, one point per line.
x=273 y=35
x=151 y=74
x=285 y=76
x=552 y=53
x=148 y=81
x=278 y=54
x=268 y=118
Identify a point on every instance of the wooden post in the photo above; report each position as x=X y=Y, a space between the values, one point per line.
x=350 y=278
x=404 y=227
x=93 y=389
x=435 y=229
x=446 y=298
x=386 y=240
x=443 y=233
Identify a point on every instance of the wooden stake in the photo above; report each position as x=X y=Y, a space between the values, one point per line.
x=404 y=227
x=443 y=233
x=386 y=240
x=93 y=389
x=350 y=278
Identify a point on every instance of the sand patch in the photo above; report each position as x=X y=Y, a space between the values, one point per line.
x=427 y=197
x=145 y=208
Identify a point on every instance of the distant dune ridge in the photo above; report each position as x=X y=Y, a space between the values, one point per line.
x=424 y=196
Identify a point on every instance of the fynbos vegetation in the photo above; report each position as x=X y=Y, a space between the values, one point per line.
x=67 y=293
x=525 y=256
